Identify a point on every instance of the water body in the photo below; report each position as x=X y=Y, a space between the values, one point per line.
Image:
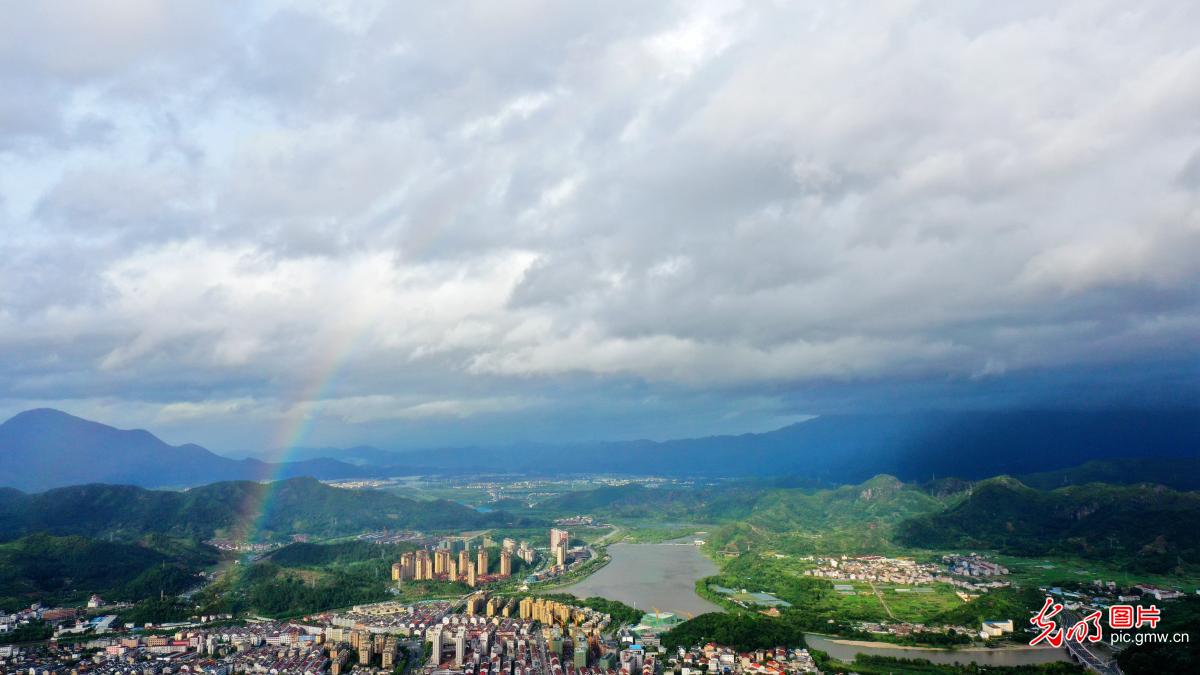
x=846 y=650
x=651 y=575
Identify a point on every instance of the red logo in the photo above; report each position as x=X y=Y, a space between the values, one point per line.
x=1044 y=621
x=1120 y=617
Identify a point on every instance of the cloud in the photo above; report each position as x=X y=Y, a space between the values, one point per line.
x=389 y=219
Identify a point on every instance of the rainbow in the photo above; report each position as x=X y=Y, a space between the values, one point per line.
x=296 y=421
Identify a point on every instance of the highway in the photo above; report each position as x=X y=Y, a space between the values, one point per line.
x=1096 y=656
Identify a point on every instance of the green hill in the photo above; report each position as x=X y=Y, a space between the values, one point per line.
x=66 y=569
x=297 y=505
x=1180 y=473
x=849 y=518
x=1151 y=528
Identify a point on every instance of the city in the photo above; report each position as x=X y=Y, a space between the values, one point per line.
x=517 y=337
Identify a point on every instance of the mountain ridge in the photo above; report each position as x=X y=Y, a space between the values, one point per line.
x=44 y=448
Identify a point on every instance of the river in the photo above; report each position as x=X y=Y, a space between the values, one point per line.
x=846 y=650
x=648 y=576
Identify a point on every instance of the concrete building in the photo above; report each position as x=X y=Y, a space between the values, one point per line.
x=557 y=536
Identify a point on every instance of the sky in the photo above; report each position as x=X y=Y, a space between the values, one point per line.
x=255 y=225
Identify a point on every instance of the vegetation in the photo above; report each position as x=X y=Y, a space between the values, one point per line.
x=620 y=612
x=156 y=611
x=297 y=505
x=741 y=631
x=1148 y=528
x=28 y=632
x=338 y=553
x=757 y=513
x=1182 y=616
x=867 y=664
x=1180 y=473
x=65 y=569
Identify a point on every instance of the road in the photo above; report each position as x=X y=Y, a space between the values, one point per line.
x=1095 y=656
x=881 y=600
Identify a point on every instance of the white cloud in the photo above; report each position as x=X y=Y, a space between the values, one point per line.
x=212 y=210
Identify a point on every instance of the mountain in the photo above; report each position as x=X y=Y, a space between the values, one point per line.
x=1179 y=473
x=44 y=568
x=852 y=448
x=295 y=505
x=1147 y=527
x=359 y=455
x=45 y=448
x=40 y=449
x=849 y=518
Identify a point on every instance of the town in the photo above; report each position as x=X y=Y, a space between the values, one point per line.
x=479 y=635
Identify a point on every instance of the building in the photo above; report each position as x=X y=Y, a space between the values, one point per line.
x=424 y=567
x=389 y=652
x=471 y=575
x=506 y=563
x=435 y=638
x=559 y=536
x=460 y=646
x=475 y=604
x=995 y=628
x=481 y=562
x=364 y=653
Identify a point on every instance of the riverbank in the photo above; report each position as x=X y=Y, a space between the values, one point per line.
x=846 y=650
x=649 y=576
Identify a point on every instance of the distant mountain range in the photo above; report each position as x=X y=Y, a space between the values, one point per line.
x=841 y=449
x=41 y=449
x=44 y=448
x=295 y=505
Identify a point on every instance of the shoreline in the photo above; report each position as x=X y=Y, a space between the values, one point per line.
x=1011 y=655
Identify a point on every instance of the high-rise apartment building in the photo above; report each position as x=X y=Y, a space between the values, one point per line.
x=405 y=569
x=557 y=536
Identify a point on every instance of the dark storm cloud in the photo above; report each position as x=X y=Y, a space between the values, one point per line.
x=401 y=219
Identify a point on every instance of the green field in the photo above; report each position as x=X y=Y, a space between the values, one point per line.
x=1049 y=571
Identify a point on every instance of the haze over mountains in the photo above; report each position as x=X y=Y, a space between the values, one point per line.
x=42 y=449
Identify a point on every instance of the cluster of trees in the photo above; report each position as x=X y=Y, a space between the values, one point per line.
x=294 y=505
x=867 y=664
x=288 y=595
x=338 y=553
x=157 y=610
x=741 y=631
x=1181 y=616
x=1146 y=528
x=66 y=569
x=620 y=612
x=28 y=632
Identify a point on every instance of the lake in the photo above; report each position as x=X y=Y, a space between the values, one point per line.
x=646 y=576
x=846 y=650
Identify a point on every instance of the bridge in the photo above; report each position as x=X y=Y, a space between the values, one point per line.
x=1094 y=656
